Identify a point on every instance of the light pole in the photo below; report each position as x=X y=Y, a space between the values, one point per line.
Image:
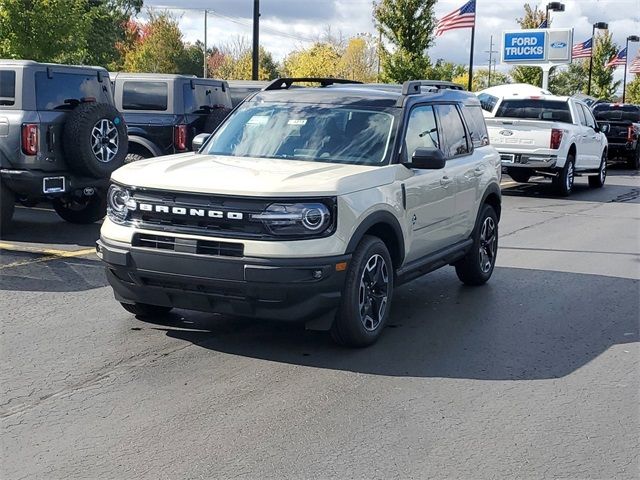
x=630 y=38
x=599 y=26
x=554 y=7
x=204 y=67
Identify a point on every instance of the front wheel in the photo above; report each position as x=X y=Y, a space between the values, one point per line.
x=478 y=264
x=366 y=297
x=82 y=210
x=563 y=182
x=597 y=181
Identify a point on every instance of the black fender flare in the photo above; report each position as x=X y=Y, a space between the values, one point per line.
x=143 y=142
x=491 y=189
x=382 y=217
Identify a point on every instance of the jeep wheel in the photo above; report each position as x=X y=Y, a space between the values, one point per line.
x=563 y=183
x=82 y=210
x=145 y=310
x=597 y=181
x=366 y=297
x=7 y=207
x=520 y=177
x=95 y=139
x=215 y=118
x=477 y=266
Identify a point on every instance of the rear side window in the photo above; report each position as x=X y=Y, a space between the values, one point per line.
x=581 y=118
x=534 y=109
x=64 y=90
x=7 y=87
x=202 y=98
x=455 y=136
x=591 y=122
x=477 y=127
x=606 y=111
x=144 y=96
x=487 y=102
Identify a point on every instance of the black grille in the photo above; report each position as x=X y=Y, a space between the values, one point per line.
x=188 y=245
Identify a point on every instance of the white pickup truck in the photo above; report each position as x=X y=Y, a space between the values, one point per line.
x=552 y=136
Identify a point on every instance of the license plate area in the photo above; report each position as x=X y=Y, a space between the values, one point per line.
x=507 y=158
x=53 y=184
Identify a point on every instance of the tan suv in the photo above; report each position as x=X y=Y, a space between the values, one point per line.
x=310 y=204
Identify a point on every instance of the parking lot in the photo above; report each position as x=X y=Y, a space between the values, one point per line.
x=532 y=376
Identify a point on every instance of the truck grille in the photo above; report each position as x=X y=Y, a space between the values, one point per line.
x=188 y=245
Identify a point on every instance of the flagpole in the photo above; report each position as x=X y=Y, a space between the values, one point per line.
x=473 y=35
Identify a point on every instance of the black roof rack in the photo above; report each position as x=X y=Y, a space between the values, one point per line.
x=286 y=82
x=413 y=87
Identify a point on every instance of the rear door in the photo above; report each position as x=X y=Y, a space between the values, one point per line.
x=593 y=139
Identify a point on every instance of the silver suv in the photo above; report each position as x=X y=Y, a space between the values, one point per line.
x=310 y=204
x=60 y=138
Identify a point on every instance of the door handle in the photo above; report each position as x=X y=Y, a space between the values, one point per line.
x=445 y=181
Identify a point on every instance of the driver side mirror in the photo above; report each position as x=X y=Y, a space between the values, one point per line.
x=603 y=127
x=427 y=159
x=199 y=140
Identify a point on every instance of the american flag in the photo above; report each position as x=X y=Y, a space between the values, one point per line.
x=619 y=59
x=635 y=65
x=543 y=24
x=463 y=17
x=582 y=50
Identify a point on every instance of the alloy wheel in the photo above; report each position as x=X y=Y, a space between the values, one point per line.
x=104 y=140
x=373 y=292
x=488 y=242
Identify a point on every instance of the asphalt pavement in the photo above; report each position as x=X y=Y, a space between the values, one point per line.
x=532 y=376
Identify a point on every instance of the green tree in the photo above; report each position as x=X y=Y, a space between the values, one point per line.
x=633 y=91
x=570 y=80
x=408 y=25
x=602 y=84
x=532 y=18
x=192 y=59
x=442 y=70
x=86 y=33
x=481 y=79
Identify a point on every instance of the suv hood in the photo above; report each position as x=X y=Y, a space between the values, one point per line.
x=198 y=173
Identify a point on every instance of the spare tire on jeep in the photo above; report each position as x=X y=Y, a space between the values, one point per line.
x=215 y=118
x=95 y=139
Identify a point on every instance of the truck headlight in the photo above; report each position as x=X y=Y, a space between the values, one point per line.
x=296 y=219
x=119 y=203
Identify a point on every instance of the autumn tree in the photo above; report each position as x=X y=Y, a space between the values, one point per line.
x=358 y=60
x=319 y=60
x=408 y=25
x=481 y=79
x=233 y=60
x=532 y=18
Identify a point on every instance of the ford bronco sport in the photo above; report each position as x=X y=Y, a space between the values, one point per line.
x=310 y=204
x=60 y=138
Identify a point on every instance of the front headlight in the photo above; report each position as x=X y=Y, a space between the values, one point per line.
x=119 y=203
x=296 y=219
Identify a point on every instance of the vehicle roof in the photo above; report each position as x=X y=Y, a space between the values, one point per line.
x=514 y=90
x=157 y=76
x=30 y=63
x=379 y=95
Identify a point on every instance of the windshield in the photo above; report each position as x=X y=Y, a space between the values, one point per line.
x=533 y=109
x=305 y=132
x=604 y=111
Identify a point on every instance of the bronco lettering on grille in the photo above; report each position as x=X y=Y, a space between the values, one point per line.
x=193 y=212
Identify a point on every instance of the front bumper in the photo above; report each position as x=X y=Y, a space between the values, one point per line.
x=29 y=183
x=279 y=289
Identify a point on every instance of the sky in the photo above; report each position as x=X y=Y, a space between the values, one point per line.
x=288 y=25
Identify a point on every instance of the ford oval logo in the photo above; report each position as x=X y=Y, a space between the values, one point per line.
x=506 y=133
x=558 y=45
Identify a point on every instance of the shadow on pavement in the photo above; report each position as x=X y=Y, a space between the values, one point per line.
x=523 y=325
x=581 y=192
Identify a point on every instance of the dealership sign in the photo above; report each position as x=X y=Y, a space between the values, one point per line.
x=537 y=46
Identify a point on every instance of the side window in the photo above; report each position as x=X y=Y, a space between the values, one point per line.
x=475 y=123
x=422 y=131
x=455 y=136
x=581 y=118
x=487 y=102
x=7 y=87
x=591 y=122
x=144 y=96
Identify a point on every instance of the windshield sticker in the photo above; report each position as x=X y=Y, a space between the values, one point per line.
x=297 y=121
x=258 y=120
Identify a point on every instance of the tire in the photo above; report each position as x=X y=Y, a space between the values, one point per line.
x=597 y=181
x=520 y=177
x=133 y=157
x=95 y=139
x=563 y=183
x=366 y=296
x=215 y=118
x=7 y=207
x=634 y=160
x=478 y=264
x=82 y=210
x=145 y=310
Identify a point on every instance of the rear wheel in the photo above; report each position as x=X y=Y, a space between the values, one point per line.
x=145 y=310
x=520 y=177
x=597 y=181
x=7 y=207
x=366 y=298
x=563 y=182
x=478 y=264
x=81 y=210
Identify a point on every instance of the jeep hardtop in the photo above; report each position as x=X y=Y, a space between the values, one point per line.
x=310 y=204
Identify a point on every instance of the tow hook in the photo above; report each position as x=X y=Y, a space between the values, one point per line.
x=88 y=191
